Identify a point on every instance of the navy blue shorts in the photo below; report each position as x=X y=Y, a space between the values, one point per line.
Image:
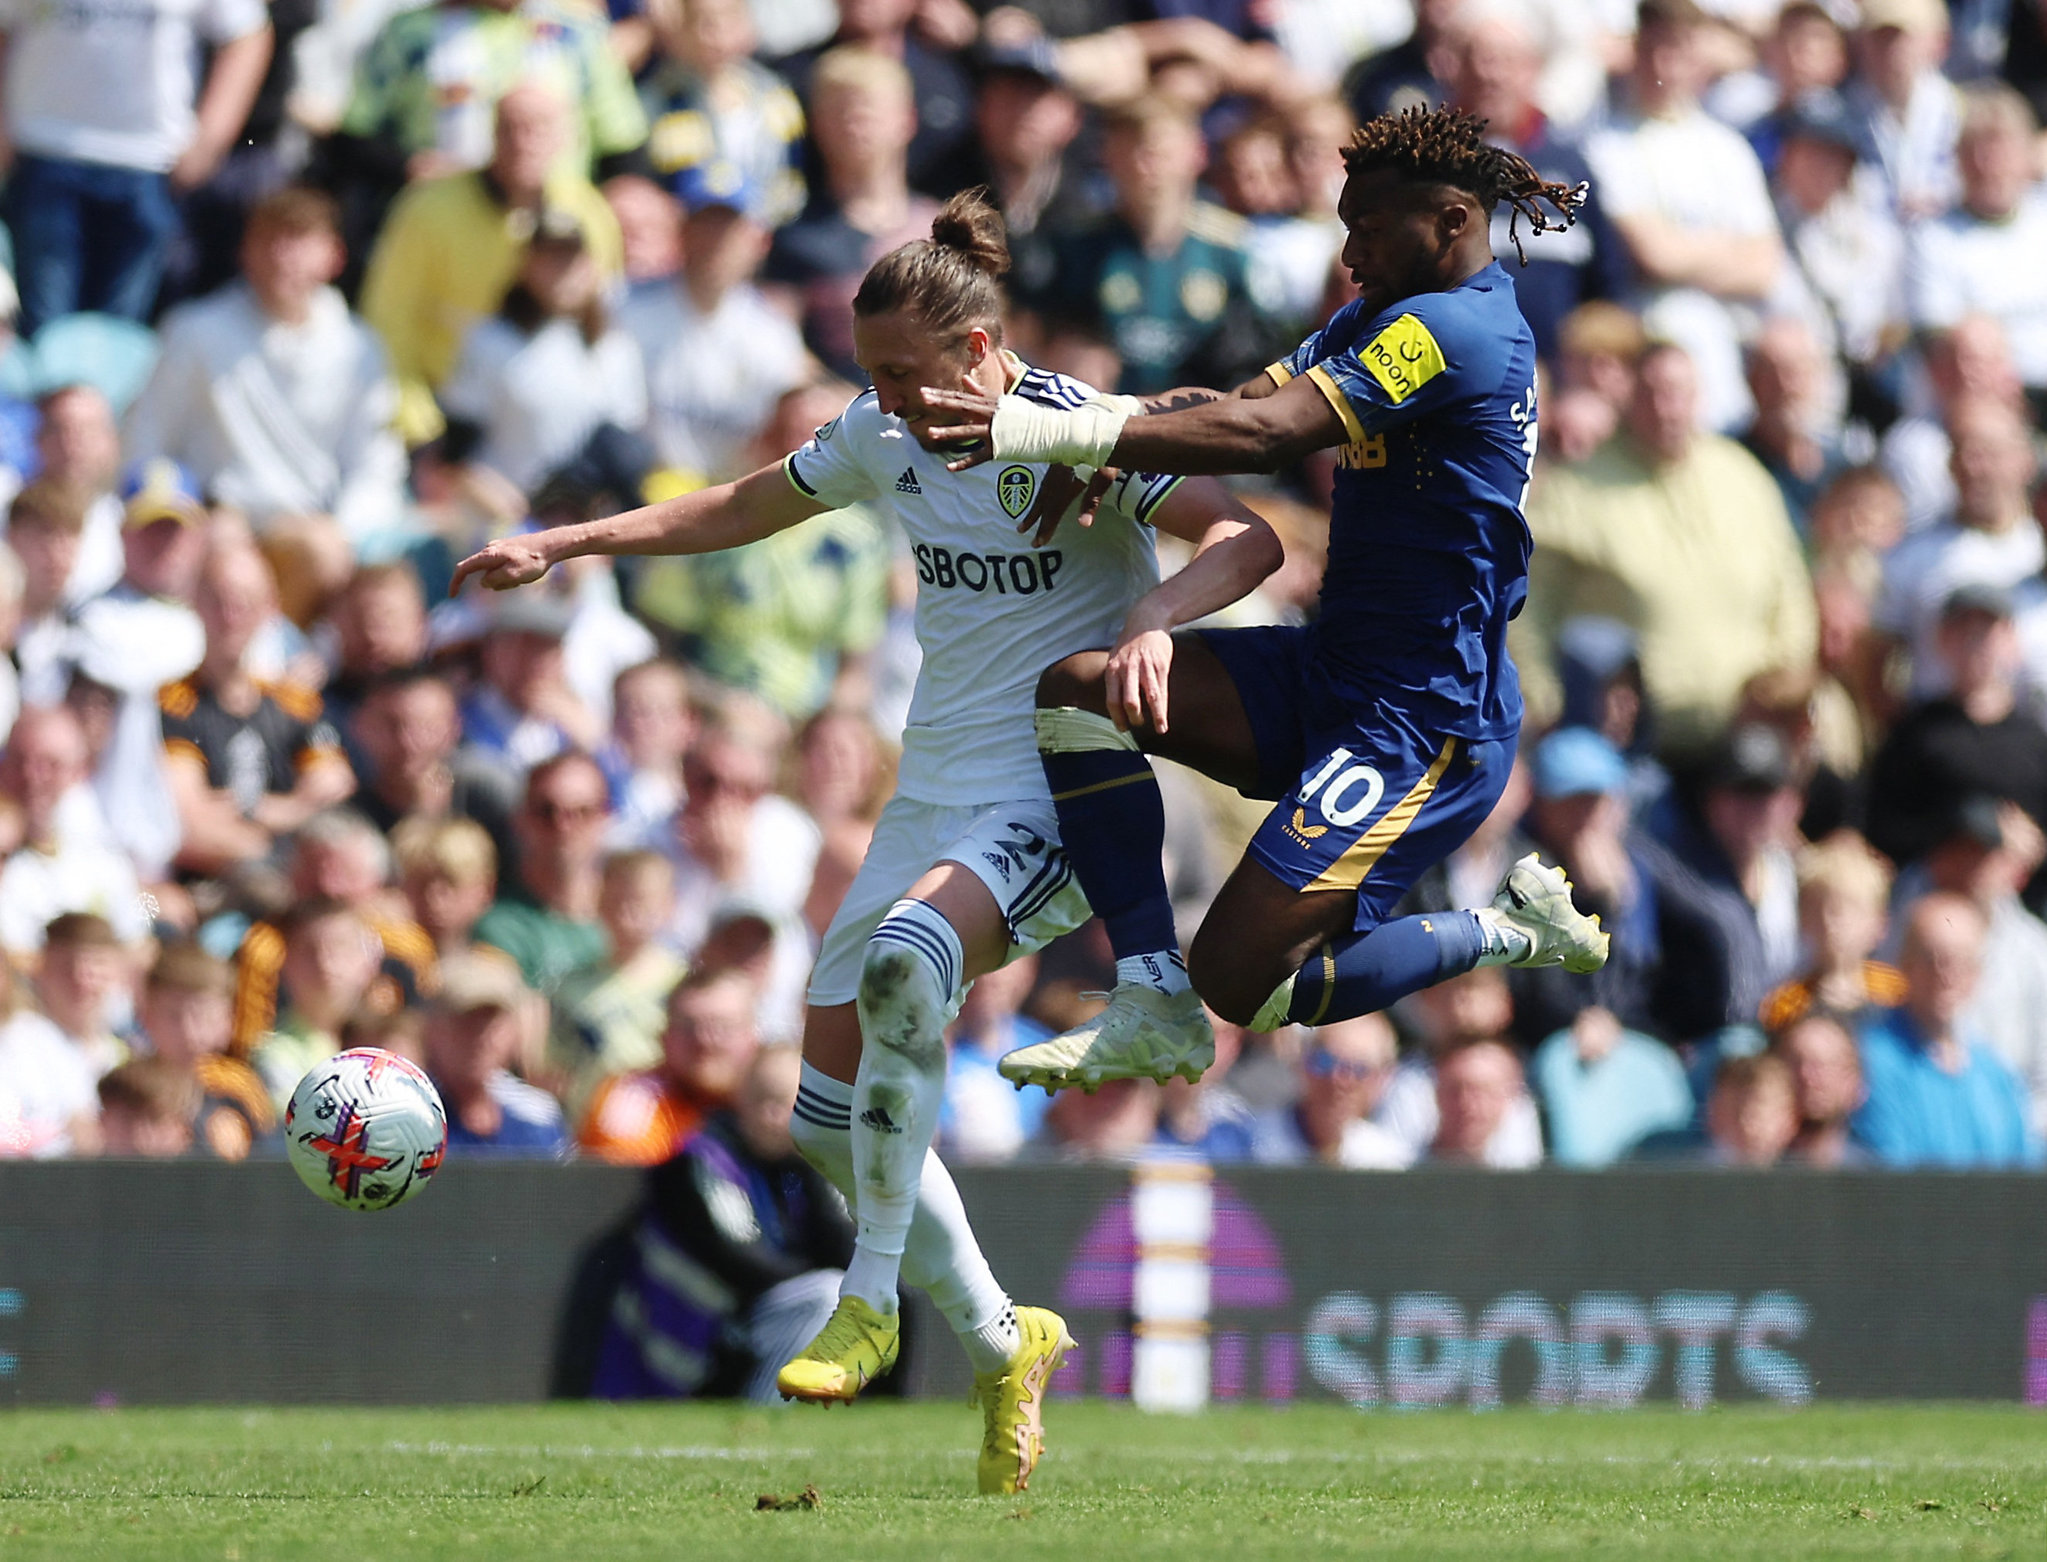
x=1367 y=801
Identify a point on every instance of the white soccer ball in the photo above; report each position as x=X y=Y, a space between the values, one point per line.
x=365 y=1129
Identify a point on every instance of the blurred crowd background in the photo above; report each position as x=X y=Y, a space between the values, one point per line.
x=303 y=303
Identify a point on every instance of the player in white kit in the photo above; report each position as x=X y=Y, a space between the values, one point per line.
x=965 y=871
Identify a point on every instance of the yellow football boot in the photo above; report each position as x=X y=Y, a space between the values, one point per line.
x=1013 y=1400
x=856 y=1346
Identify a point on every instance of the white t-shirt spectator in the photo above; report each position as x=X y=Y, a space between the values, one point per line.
x=1914 y=151
x=1408 y=1112
x=539 y=398
x=1960 y=265
x=712 y=380
x=82 y=874
x=276 y=419
x=1847 y=274
x=1928 y=567
x=1916 y=454
x=1700 y=176
x=46 y=1085
x=113 y=81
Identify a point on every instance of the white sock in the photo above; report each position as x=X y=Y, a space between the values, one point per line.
x=907 y=986
x=941 y=1257
x=1504 y=942
x=1163 y=971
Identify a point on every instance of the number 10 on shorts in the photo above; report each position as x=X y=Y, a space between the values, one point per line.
x=1349 y=791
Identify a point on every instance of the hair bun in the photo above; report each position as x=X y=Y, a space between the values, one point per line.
x=971 y=227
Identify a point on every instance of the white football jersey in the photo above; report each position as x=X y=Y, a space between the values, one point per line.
x=992 y=611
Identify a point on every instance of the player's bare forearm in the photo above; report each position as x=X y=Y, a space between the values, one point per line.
x=1235 y=551
x=1233 y=434
x=706 y=521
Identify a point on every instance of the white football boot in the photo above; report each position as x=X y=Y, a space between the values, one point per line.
x=1142 y=1034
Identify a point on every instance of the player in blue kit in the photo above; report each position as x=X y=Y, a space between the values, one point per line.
x=1386 y=729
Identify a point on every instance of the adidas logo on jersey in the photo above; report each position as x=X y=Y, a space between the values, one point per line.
x=907 y=483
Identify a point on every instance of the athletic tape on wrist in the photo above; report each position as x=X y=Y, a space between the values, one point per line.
x=1057 y=436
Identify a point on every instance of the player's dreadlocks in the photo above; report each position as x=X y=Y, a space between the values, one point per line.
x=1448 y=146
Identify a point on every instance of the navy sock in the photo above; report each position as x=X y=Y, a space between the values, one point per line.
x=1361 y=973
x=1114 y=829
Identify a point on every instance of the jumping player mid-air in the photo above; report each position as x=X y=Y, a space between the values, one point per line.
x=1386 y=729
x=965 y=871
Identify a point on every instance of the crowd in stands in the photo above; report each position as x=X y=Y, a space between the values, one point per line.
x=304 y=302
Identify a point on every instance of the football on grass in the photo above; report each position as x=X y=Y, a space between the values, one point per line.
x=365 y=1129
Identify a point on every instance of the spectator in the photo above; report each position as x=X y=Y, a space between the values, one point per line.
x=472 y=1038
x=1938 y=1096
x=247 y=761
x=1805 y=56
x=147 y=1107
x=83 y=981
x=522 y=710
x=1752 y=1116
x=549 y=370
x=717 y=355
x=426 y=89
x=1826 y=1075
x=1598 y=345
x=1165 y=274
x=1603 y=1089
x=649 y=226
x=863 y=119
x=1689 y=202
x=451 y=247
x=742 y=1209
x=1496 y=72
x=78 y=445
x=712 y=105
x=1205 y=1118
x=940 y=94
x=380 y=629
x=1343 y=1074
x=1477 y=1084
x=277 y=398
x=1289 y=251
x=843 y=779
x=145 y=625
x=448 y=869
x=106 y=123
x=652 y=727
x=548 y=920
x=408 y=732
x=1987 y=852
x=186 y=1014
x=1976 y=259
x=1682 y=536
x=1117 y=1123
x=1026 y=123
x=608 y=1016
x=1843 y=888
x=1475 y=1007
x=330 y=968
x=1795 y=430
x=45 y=528
x=1845 y=279
x=707 y=1049
x=1975 y=738
x=790 y=618
x=47 y=1103
x=58 y=868
x=1967 y=362
x=984 y=1119
x=1909 y=112
x=735 y=837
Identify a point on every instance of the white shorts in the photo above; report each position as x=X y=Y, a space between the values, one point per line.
x=1013 y=848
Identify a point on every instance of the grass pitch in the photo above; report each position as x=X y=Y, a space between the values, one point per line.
x=610 y=1485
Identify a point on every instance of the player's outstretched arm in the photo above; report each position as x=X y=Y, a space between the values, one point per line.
x=1232 y=434
x=1234 y=551
x=754 y=507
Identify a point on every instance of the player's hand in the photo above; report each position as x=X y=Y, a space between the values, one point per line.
x=1136 y=678
x=1056 y=496
x=972 y=412
x=508 y=562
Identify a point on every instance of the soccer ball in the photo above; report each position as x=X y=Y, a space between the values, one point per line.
x=365 y=1129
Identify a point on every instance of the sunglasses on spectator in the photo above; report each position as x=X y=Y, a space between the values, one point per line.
x=1322 y=1064
x=550 y=812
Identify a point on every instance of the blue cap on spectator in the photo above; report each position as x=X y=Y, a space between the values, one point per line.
x=720 y=183
x=1821 y=114
x=1031 y=56
x=1575 y=760
x=161 y=490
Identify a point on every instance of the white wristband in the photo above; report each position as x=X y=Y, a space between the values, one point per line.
x=1056 y=436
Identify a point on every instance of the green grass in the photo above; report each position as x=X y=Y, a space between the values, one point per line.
x=609 y=1485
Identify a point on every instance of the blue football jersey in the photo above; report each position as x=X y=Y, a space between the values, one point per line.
x=1428 y=546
